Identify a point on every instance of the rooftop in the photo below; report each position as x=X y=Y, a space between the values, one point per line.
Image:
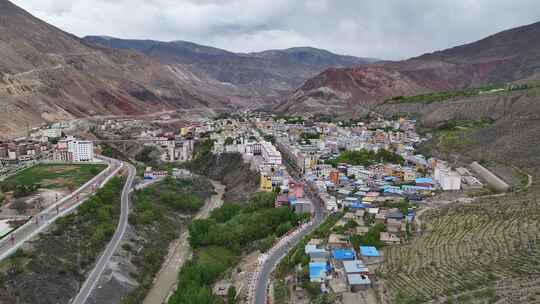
x=343 y=254
x=355 y=266
x=369 y=251
x=358 y=279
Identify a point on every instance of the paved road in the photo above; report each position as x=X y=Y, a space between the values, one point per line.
x=93 y=278
x=43 y=220
x=261 y=288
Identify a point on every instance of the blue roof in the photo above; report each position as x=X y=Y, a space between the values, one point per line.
x=316 y=270
x=344 y=254
x=357 y=206
x=369 y=251
x=424 y=180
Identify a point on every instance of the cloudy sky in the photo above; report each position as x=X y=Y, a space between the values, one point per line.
x=386 y=29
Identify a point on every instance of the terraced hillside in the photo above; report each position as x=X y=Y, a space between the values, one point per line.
x=486 y=252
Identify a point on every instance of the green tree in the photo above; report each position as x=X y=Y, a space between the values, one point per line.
x=231 y=295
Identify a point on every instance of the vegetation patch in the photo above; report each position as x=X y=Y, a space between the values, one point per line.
x=54 y=176
x=446 y=95
x=366 y=158
x=219 y=241
x=55 y=266
x=158 y=218
x=465 y=249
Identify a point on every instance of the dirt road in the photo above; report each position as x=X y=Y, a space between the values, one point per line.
x=179 y=252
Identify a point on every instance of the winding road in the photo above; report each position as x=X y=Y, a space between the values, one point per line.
x=101 y=264
x=264 y=276
x=66 y=205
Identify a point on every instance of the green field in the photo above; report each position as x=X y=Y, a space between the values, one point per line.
x=56 y=176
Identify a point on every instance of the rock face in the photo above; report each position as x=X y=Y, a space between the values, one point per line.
x=47 y=74
x=264 y=74
x=504 y=57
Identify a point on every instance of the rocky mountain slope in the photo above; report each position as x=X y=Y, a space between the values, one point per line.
x=47 y=74
x=504 y=57
x=265 y=73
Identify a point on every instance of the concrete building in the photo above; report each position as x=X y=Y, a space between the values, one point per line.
x=81 y=150
x=270 y=154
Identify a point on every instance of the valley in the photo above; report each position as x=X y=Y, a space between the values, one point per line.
x=158 y=170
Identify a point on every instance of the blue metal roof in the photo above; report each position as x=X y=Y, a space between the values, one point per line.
x=424 y=180
x=344 y=254
x=369 y=251
x=316 y=270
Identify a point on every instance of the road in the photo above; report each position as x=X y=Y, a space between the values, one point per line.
x=261 y=287
x=167 y=278
x=43 y=220
x=94 y=275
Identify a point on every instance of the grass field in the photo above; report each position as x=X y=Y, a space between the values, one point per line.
x=57 y=176
x=482 y=253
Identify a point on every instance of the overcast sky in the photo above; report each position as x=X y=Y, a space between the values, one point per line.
x=386 y=29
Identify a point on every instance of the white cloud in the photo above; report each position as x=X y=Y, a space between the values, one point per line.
x=390 y=29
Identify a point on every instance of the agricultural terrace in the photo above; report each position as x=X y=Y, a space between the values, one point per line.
x=54 y=176
x=482 y=253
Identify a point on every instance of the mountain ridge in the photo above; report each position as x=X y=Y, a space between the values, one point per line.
x=265 y=74
x=507 y=56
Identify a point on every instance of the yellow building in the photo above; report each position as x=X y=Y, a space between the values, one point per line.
x=184 y=131
x=266 y=183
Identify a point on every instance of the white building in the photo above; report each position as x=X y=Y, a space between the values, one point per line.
x=52 y=133
x=81 y=150
x=446 y=177
x=270 y=154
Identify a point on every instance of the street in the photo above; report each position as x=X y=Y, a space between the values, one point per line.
x=263 y=278
x=64 y=206
x=94 y=275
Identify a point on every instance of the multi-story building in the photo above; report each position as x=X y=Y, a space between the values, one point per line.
x=81 y=150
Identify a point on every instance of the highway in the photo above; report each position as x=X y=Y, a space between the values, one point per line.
x=101 y=264
x=44 y=219
x=264 y=276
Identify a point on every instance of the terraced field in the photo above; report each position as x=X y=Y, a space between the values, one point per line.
x=488 y=252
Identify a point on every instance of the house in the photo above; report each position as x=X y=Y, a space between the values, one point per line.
x=370 y=254
x=338 y=241
x=361 y=230
x=282 y=200
x=389 y=238
x=344 y=254
x=315 y=253
x=358 y=282
x=380 y=218
x=355 y=267
x=317 y=272
x=395 y=215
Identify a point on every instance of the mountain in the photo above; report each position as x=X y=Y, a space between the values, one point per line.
x=505 y=57
x=265 y=73
x=48 y=75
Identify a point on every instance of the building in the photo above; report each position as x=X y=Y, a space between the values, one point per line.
x=315 y=253
x=81 y=150
x=358 y=282
x=52 y=133
x=266 y=182
x=270 y=154
x=317 y=272
x=355 y=267
x=370 y=254
x=344 y=254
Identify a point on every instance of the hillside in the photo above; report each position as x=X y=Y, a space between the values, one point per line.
x=265 y=73
x=504 y=57
x=47 y=75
